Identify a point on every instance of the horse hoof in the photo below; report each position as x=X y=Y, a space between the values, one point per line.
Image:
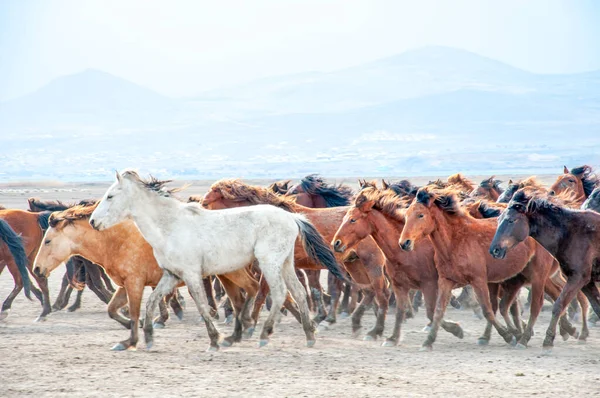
x=344 y=315
x=310 y=343
x=179 y=314
x=263 y=343
x=565 y=336
x=212 y=348
x=226 y=343
x=482 y=341
x=513 y=341
x=119 y=347
x=581 y=341
x=389 y=343
x=228 y=320
x=520 y=346
x=249 y=332
x=149 y=345
x=427 y=329
x=368 y=337
x=158 y=325
x=546 y=351
x=426 y=348
x=40 y=319
x=3 y=315
x=323 y=326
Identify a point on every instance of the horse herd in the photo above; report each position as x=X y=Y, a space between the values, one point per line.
x=390 y=244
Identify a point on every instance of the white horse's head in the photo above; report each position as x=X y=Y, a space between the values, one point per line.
x=115 y=205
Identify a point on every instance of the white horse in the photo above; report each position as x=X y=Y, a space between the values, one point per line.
x=190 y=242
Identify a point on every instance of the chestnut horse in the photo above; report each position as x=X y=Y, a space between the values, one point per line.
x=580 y=181
x=461 y=245
x=30 y=226
x=571 y=236
x=13 y=255
x=488 y=189
x=92 y=275
x=377 y=214
x=365 y=265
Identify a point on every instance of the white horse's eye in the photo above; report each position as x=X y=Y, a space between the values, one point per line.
x=109 y=197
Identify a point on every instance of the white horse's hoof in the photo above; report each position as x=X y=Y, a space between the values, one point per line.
x=310 y=343
x=263 y=343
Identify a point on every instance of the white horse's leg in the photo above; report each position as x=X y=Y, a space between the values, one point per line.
x=165 y=286
x=299 y=294
x=196 y=288
x=272 y=275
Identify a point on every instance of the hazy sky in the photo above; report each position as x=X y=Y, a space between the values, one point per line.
x=181 y=48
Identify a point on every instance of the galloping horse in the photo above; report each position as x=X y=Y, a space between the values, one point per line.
x=488 y=189
x=571 y=236
x=378 y=214
x=31 y=227
x=529 y=182
x=365 y=266
x=13 y=256
x=190 y=242
x=580 y=181
x=461 y=257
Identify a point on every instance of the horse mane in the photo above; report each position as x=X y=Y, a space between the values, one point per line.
x=72 y=214
x=37 y=204
x=588 y=178
x=235 y=189
x=461 y=181
x=593 y=201
x=385 y=201
x=403 y=188
x=491 y=183
x=43 y=219
x=154 y=184
x=334 y=195
x=489 y=209
x=446 y=200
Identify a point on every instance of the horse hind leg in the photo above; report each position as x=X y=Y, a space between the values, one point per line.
x=12 y=295
x=483 y=296
x=583 y=302
x=77 y=304
x=62 y=300
x=196 y=288
x=299 y=294
x=167 y=283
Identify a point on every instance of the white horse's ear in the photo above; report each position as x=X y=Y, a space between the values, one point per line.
x=119 y=178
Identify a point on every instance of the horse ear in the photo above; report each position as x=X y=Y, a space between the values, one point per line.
x=510 y=181
x=491 y=179
x=366 y=206
x=565 y=170
x=385 y=184
x=119 y=178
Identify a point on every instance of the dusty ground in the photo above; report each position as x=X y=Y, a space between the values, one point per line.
x=69 y=354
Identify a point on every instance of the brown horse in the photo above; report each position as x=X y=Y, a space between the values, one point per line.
x=580 y=181
x=488 y=189
x=30 y=226
x=12 y=253
x=365 y=266
x=571 y=236
x=377 y=214
x=529 y=182
x=93 y=275
x=121 y=251
x=461 y=245
x=314 y=192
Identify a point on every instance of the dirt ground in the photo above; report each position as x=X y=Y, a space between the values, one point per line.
x=69 y=354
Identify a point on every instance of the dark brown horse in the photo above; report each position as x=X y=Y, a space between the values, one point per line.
x=30 y=226
x=378 y=214
x=365 y=266
x=571 y=236
x=91 y=274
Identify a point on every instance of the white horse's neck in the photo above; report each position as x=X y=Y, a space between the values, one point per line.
x=154 y=216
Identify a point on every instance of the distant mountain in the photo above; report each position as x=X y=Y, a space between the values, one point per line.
x=91 y=96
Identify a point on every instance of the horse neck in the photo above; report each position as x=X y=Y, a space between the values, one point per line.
x=386 y=232
x=95 y=246
x=494 y=194
x=155 y=216
x=545 y=232
x=318 y=202
x=443 y=235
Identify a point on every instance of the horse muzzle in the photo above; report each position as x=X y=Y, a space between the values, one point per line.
x=498 y=252
x=95 y=224
x=338 y=246
x=37 y=271
x=408 y=245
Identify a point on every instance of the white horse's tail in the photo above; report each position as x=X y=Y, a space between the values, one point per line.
x=317 y=249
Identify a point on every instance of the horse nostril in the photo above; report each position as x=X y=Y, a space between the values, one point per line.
x=552 y=193
x=93 y=223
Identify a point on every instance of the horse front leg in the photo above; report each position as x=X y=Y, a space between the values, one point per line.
x=43 y=284
x=483 y=296
x=382 y=299
x=118 y=300
x=402 y=301
x=443 y=298
x=196 y=288
x=61 y=300
x=167 y=283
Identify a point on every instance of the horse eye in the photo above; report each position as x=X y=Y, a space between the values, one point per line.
x=571 y=181
x=352 y=221
x=421 y=215
x=109 y=197
x=511 y=221
x=47 y=242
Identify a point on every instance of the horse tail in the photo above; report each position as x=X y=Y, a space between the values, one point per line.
x=15 y=245
x=317 y=249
